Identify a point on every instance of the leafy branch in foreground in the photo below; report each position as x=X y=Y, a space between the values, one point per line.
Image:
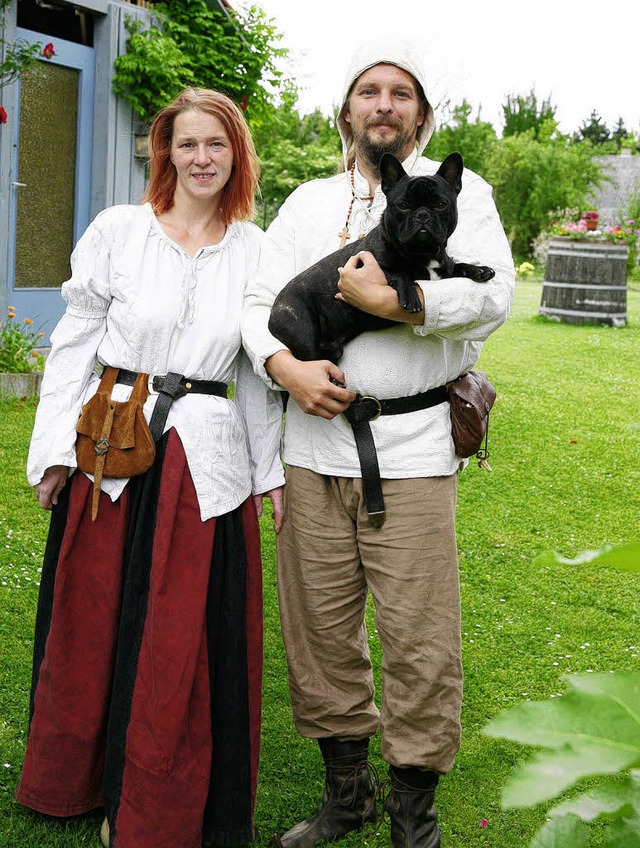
x=594 y=730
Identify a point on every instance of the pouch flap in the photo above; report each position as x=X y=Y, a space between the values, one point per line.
x=94 y=413
x=473 y=390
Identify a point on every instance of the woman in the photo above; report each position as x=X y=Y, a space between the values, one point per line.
x=148 y=647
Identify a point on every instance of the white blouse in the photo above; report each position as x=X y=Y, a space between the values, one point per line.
x=138 y=301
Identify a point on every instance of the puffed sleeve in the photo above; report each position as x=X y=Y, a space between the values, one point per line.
x=459 y=308
x=276 y=267
x=261 y=412
x=69 y=366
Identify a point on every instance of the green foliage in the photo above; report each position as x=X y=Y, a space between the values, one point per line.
x=619 y=133
x=20 y=55
x=17 y=343
x=530 y=177
x=191 y=45
x=595 y=130
x=593 y=730
x=292 y=150
x=476 y=140
x=522 y=114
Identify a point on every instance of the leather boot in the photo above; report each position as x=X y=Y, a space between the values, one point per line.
x=348 y=802
x=409 y=805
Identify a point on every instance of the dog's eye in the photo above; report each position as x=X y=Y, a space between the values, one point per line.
x=403 y=207
x=441 y=204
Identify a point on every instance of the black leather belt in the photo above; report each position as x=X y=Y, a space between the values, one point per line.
x=170 y=387
x=365 y=409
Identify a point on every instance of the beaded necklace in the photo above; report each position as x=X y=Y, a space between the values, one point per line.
x=344 y=234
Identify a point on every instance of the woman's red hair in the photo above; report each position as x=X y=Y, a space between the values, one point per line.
x=237 y=202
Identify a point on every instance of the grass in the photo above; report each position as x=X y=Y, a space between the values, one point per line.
x=565 y=448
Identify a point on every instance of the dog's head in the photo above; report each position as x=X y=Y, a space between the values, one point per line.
x=421 y=211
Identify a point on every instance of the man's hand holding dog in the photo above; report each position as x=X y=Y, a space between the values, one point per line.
x=310 y=383
x=363 y=284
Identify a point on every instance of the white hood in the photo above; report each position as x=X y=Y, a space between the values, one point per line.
x=390 y=52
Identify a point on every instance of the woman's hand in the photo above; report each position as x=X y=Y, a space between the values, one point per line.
x=363 y=284
x=277 y=501
x=52 y=483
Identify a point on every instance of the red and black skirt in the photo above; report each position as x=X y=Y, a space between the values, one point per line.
x=148 y=663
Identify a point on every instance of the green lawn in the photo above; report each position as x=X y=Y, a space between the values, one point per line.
x=565 y=448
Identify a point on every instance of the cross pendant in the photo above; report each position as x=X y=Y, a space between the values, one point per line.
x=344 y=235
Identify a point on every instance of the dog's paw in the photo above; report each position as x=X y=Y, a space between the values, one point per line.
x=413 y=306
x=407 y=294
x=482 y=274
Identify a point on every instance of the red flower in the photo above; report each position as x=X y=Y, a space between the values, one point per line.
x=3 y=115
x=484 y=822
x=244 y=103
x=48 y=51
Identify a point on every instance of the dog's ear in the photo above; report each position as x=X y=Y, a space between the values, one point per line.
x=451 y=170
x=391 y=171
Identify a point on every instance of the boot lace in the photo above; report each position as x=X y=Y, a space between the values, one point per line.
x=348 y=794
x=382 y=793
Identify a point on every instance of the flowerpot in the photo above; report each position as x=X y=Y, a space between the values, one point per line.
x=585 y=282
x=20 y=385
x=591 y=225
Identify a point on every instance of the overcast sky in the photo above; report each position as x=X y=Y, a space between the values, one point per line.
x=581 y=54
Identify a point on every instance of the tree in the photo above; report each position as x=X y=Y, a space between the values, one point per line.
x=474 y=140
x=191 y=45
x=529 y=178
x=620 y=133
x=521 y=114
x=292 y=150
x=595 y=131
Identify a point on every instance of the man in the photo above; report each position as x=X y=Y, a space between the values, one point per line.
x=329 y=554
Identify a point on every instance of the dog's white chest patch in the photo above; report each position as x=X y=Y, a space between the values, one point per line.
x=434 y=270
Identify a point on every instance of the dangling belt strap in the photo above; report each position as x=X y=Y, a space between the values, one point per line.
x=170 y=387
x=365 y=409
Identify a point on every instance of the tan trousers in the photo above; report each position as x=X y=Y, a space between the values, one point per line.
x=329 y=557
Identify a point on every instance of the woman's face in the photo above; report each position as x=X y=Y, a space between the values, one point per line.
x=201 y=154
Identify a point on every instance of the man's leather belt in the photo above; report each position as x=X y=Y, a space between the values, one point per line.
x=170 y=387
x=365 y=409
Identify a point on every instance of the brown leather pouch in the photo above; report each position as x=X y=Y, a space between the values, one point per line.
x=114 y=439
x=471 y=397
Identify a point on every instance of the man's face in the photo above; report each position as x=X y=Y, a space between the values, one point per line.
x=384 y=112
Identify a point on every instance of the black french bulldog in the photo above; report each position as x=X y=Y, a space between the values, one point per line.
x=409 y=244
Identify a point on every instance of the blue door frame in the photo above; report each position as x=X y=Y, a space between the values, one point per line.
x=46 y=303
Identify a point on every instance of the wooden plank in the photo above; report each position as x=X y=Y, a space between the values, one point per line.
x=99 y=6
x=117 y=176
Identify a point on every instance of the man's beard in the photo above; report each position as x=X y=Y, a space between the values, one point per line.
x=372 y=149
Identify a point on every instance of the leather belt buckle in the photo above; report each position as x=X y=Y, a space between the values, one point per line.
x=377 y=407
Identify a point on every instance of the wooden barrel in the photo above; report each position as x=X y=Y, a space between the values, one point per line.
x=585 y=282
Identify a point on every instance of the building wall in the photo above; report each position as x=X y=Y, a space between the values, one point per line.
x=116 y=175
x=613 y=196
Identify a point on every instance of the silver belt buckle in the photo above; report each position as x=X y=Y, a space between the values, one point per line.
x=150 y=380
